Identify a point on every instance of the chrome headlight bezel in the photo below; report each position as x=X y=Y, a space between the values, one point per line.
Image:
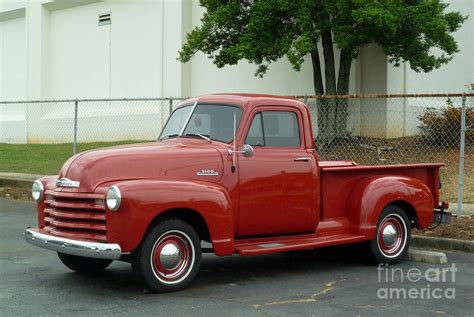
x=37 y=190
x=113 y=198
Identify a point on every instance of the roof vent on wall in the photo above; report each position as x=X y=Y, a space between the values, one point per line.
x=105 y=19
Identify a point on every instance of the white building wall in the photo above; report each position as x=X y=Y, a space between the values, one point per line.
x=57 y=50
x=12 y=59
x=13 y=80
x=117 y=60
x=92 y=61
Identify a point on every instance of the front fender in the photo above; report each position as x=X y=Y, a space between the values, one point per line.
x=371 y=195
x=143 y=200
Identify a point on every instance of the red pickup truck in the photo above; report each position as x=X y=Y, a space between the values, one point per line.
x=238 y=171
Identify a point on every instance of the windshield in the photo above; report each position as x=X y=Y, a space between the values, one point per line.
x=210 y=120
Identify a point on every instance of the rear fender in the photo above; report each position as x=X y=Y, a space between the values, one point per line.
x=371 y=195
x=144 y=200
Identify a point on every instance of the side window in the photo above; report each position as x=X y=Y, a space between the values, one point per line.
x=255 y=135
x=281 y=129
x=274 y=129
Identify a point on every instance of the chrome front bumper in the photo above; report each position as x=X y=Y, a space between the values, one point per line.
x=74 y=247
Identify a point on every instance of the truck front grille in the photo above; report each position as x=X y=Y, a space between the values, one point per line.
x=75 y=216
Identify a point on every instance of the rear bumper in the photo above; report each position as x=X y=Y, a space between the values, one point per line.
x=72 y=247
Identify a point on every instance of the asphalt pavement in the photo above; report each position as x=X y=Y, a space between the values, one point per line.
x=328 y=282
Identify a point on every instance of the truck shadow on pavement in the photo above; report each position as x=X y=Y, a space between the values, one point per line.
x=218 y=272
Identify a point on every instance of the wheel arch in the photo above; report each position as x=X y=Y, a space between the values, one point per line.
x=188 y=215
x=371 y=195
x=206 y=206
x=409 y=209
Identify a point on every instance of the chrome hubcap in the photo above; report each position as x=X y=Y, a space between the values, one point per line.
x=389 y=234
x=170 y=256
x=392 y=235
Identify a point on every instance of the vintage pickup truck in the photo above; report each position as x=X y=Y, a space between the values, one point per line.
x=238 y=171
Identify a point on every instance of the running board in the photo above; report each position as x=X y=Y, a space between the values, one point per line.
x=283 y=244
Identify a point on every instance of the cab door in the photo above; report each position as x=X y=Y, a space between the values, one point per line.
x=276 y=184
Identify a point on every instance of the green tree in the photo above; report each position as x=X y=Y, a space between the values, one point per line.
x=264 y=31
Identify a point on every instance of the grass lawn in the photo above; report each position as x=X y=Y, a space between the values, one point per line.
x=45 y=159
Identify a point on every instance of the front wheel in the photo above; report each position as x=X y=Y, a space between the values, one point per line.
x=392 y=237
x=169 y=257
x=83 y=265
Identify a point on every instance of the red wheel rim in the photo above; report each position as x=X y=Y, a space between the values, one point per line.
x=172 y=257
x=392 y=235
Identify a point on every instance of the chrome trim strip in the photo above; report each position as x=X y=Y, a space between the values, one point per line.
x=66 y=182
x=73 y=247
x=271 y=245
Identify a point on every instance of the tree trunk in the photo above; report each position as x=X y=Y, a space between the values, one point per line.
x=332 y=113
x=329 y=67
x=327 y=107
x=342 y=112
x=317 y=78
x=318 y=90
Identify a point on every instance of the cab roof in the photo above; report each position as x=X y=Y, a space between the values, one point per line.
x=243 y=99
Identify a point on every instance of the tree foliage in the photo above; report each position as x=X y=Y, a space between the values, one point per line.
x=264 y=31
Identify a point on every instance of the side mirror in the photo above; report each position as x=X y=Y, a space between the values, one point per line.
x=247 y=150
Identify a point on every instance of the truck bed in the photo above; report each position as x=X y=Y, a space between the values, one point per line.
x=339 y=177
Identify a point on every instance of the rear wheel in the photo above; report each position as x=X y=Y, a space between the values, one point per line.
x=83 y=265
x=393 y=236
x=169 y=257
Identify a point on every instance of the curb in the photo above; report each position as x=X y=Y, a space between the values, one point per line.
x=18 y=179
x=442 y=244
x=432 y=257
x=15 y=183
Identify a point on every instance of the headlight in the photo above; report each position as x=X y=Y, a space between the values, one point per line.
x=113 y=198
x=37 y=190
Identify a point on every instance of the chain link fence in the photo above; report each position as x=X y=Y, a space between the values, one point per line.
x=399 y=129
x=38 y=136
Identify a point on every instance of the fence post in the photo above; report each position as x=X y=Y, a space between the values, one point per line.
x=461 y=155
x=171 y=105
x=74 y=144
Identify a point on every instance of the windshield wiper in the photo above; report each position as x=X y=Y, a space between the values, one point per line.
x=199 y=135
x=167 y=136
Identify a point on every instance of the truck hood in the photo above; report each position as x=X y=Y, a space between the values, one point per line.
x=157 y=160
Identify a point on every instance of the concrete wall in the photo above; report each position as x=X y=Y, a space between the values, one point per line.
x=53 y=49
x=373 y=112
x=12 y=59
x=113 y=60
x=13 y=79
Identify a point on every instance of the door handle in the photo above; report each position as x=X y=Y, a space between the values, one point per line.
x=302 y=159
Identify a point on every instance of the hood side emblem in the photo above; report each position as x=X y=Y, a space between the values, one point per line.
x=207 y=173
x=66 y=182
